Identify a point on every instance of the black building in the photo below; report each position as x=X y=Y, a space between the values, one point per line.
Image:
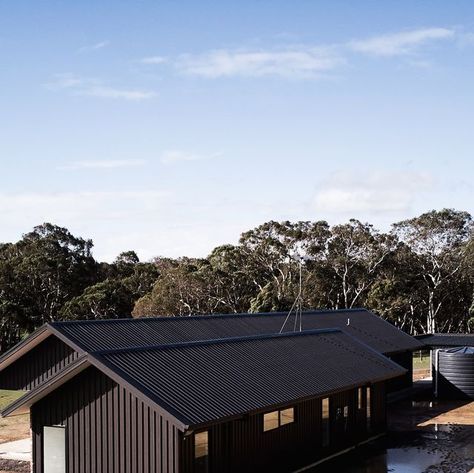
x=273 y=402
x=55 y=345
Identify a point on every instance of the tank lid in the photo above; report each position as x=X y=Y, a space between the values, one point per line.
x=461 y=350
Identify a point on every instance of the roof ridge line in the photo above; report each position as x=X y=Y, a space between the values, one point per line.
x=202 y=316
x=217 y=341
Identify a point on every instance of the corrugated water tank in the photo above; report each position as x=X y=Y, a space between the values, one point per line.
x=455 y=374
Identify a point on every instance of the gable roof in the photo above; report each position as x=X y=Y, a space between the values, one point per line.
x=198 y=383
x=124 y=333
x=96 y=335
x=446 y=339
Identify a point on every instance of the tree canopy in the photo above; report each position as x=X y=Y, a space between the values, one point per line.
x=419 y=275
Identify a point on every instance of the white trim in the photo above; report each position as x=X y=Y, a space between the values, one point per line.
x=437 y=373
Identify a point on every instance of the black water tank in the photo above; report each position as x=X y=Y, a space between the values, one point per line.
x=456 y=373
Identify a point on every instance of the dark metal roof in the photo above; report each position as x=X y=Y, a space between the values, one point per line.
x=461 y=351
x=447 y=339
x=124 y=333
x=201 y=382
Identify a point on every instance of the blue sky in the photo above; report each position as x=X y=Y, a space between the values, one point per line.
x=171 y=127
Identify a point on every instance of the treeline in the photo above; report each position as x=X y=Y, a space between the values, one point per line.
x=420 y=275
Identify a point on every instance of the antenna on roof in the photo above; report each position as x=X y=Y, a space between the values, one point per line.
x=297 y=306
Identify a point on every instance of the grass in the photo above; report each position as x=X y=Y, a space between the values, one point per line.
x=16 y=427
x=7 y=397
x=420 y=363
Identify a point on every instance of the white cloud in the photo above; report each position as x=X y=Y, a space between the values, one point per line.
x=152 y=222
x=85 y=205
x=94 y=47
x=371 y=193
x=67 y=81
x=104 y=164
x=114 y=93
x=95 y=88
x=302 y=62
x=401 y=43
x=175 y=156
x=153 y=60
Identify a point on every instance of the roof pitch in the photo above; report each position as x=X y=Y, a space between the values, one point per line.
x=447 y=339
x=124 y=333
x=202 y=382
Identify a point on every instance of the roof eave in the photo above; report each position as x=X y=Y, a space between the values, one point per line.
x=206 y=424
x=32 y=341
x=24 y=346
x=412 y=349
x=23 y=404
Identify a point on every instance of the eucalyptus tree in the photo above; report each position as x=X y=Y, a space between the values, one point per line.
x=114 y=297
x=356 y=253
x=275 y=253
x=180 y=290
x=39 y=273
x=439 y=242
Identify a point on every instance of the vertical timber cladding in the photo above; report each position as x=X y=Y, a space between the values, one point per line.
x=378 y=408
x=242 y=445
x=40 y=363
x=405 y=360
x=108 y=429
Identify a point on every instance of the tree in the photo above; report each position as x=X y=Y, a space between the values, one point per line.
x=116 y=296
x=274 y=252
x=38 y=274
x=180 y=290
x=420 y=276
x=108 y=299
x=397 y=292
x=47 y=267
x=355 y=255
x=216 y=284
x=439 y=240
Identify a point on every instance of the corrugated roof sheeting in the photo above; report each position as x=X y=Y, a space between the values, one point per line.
x=204 y=382
x=123 y=333
x=447 y=339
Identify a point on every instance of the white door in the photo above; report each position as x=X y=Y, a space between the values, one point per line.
x=54 y=449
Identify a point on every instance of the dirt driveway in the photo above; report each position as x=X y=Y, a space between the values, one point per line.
x=12 y=428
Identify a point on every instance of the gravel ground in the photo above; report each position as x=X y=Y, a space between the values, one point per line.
x=10 y=466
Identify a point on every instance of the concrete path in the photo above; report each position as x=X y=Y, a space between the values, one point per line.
x=17 y=450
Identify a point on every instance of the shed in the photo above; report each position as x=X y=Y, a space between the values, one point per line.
x=273 y=402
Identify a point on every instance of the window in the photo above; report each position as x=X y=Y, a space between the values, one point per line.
x=360 y=402
x=54 y=449
x=325 y=422
x=201 y=451
x=368 y=407
x=270 y=421
x=287 y=416
x=275 y=419
x=346 y=418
